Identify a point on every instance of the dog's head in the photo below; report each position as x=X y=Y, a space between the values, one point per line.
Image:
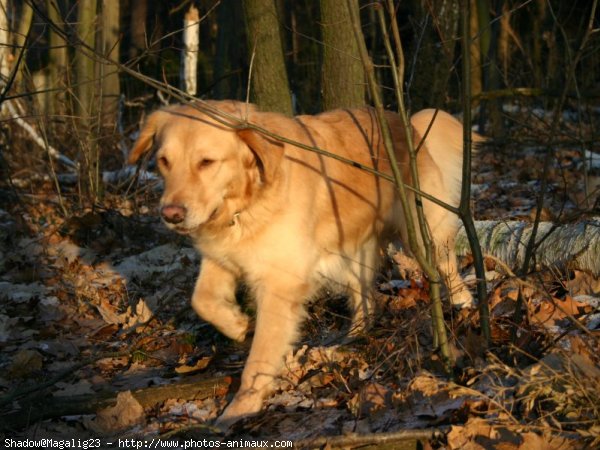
x=212 y=171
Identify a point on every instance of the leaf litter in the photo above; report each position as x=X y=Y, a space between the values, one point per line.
x=100 y=301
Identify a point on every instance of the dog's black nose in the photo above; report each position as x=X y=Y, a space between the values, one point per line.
x=173 y=213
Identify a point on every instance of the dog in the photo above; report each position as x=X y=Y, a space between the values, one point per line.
x=287 y=220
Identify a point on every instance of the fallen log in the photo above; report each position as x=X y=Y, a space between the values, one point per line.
x=570 y=246
x=33 y=410
x=397 y=440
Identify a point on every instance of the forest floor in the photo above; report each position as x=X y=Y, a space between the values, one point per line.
x=95 y=302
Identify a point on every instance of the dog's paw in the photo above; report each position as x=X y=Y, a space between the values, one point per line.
x=236 y=328
x=242 y=406
x=462 y=299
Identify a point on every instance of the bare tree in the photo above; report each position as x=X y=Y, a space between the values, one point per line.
x=85 y=99
x=137 y=27
x=109 y=76
x=228 y=56
x=268 y=77
x=343 y=76
x=475 y=51
x=21 y=34
x=57 y=60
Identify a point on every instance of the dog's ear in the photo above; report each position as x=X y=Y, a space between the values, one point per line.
x=267 y=150
x=146 y=138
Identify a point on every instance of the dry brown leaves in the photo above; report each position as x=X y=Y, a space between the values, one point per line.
x=112 y=280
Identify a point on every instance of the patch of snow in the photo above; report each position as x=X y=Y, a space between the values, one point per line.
x=6 y=324
x=20 y=293
x=166 y=258
x=594 y=322
x=592 y=160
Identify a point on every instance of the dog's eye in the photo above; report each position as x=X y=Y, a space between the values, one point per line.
x=163 y=162
x=204 y=163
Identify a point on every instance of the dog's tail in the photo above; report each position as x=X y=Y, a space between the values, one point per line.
x=442 y=135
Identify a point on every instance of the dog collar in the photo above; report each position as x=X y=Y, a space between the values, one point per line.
x=234 y=218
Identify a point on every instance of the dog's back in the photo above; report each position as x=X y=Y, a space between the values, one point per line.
x=355 y=210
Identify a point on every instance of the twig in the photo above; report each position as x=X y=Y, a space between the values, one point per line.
x=437 y=314
x=37 y=138
x=465 y=194
x=355 y=439
x=8 y=398
x=52 y=169
x=250 y=71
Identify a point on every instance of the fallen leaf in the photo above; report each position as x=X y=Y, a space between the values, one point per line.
x=109 y=314
x=142 y=314
x=583 y=283
x=426 y=383
x=458 y=438
x=374 y=396
x=188 y=369
x=82 y=387
x=126 y=413
x=532 y=441
x=479 y=434
x=24 y=363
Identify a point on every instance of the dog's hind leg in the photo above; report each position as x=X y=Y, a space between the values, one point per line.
x=444 y=227
x=360 y=282
x=458 y=292
x=214 y=300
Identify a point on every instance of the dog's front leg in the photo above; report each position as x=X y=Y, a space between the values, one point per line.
x=214 y=300
x=279 y=312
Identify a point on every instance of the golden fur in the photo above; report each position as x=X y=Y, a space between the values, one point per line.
x=287 y=220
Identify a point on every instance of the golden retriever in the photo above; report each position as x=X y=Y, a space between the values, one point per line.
x=287 y=220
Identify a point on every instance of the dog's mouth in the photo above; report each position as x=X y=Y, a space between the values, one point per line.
x=184 y=231
x=190 y=230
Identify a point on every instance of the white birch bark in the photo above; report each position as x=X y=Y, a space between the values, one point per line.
x=5 y=47
x=573 y=245
x=191 y=39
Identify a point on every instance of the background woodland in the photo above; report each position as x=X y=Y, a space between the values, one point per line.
x=96 y=334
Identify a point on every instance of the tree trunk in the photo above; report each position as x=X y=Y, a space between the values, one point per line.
x=228 y=55
x=5 y=53
x=86 y=73
x=137 y=28
x=191 y=37
x=537 y=37
x=475 y=53
x=429 y=69
x=343 y=76
x=437 y=49
x=57 y=64
x=222 y=59
x=268 y=78
x=574 y=246
x=24 y=26
x=489 y=30
x=109 y=75
x=504 y=47
x=85 y=100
